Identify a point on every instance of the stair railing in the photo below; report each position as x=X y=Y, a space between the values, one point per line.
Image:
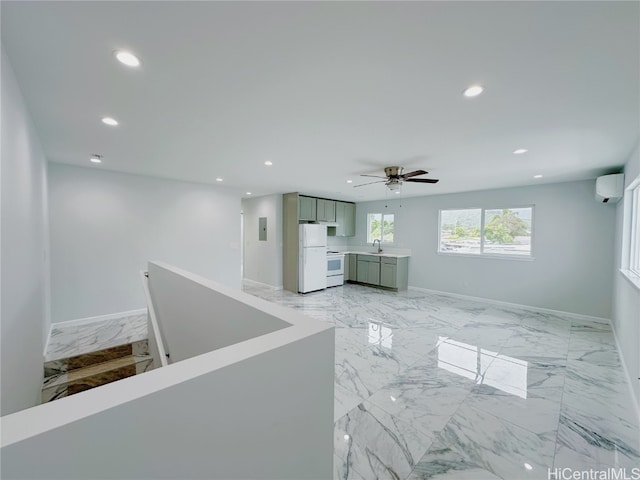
x=157 y=340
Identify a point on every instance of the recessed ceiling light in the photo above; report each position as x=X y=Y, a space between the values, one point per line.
x=537 y=176
x=473 y=91
x=248 y=193
x=397 y=192
x=520 y=151
x=349 y=181
x=268 y=163
x=112 y=122
x=218 y=179
x=127 y=58
x=95 y=158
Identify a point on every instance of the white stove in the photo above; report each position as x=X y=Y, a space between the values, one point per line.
x=335 y=268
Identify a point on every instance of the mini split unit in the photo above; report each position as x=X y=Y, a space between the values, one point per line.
x=609 y=188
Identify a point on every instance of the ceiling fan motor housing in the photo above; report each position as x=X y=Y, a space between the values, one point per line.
x=393 y=172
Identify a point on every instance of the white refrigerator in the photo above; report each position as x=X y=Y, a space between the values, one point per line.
x=312 y=262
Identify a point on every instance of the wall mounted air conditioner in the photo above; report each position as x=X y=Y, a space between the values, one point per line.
x=610 y=188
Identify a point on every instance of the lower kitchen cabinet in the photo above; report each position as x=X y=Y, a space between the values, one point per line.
x=352 y=260
x=394 y=272
x=368 y=269
x=383 y=271
x=388 y=275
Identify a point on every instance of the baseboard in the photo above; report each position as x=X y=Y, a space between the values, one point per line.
x=630 y=379
x=260 y=284
x=86 y=320
x=576 y=316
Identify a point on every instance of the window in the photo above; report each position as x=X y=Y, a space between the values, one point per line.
x=479 y=231
x=380 y=227
x=631 y=235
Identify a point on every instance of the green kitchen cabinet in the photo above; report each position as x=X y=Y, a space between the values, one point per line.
x=394 y=272
x=349 y=219
x=388 y=275
x=307 y=208
x=346 y=219
x=326 y=210
x=353 y=267
x=368 y=269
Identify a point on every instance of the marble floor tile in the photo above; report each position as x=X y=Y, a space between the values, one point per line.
x=600 y=355
x=369 y=358
x=69 y=341
x=434 y=386
x=497 y=445
x=376 y=444
x=344 y=398
x=590 y=326
x=583 y=441
x=342 y=470
x=442 y=463
x=425 y=396
x=600 y=391
x=536 y=343
x=582 y=342
x=537 y=412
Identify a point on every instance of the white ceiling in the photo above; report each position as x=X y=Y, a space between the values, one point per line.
x=330 y=90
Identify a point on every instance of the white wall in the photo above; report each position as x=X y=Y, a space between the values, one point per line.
x=194 y=320
x=574 y=242
x=24 y=251
x=263 y=259
x=106 y=226
x=259 y=409
x=626 y=297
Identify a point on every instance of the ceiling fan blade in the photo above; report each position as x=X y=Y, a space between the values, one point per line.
x=414 y=173
x=422 y=180
x=363 y=184
x=374 y=176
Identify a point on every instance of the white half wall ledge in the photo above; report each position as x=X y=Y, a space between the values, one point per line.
x=267 y=398
x=196 y=315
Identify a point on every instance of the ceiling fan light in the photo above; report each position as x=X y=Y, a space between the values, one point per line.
x=393 y=186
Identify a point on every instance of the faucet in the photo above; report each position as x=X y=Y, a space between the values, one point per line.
x=379 y=247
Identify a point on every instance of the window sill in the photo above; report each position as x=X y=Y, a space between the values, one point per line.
x=631 y=277
x=519 y=258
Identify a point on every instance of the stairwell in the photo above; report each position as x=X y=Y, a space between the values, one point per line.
x=71 y=375
x=94 y=354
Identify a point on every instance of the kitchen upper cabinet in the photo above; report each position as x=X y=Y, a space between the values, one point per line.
x=326 y=210
x=346 y=219
x=307 y=208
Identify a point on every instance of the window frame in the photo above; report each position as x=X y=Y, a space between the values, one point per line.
x=382 y=215
x=630 y=261
x=482 y=254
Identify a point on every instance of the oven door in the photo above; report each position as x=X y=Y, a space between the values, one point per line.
x=335 y=266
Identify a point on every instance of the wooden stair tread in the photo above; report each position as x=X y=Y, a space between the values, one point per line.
x=54 y=367
x=75 y=374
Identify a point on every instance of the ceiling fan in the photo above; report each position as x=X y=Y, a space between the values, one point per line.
x=394 y=178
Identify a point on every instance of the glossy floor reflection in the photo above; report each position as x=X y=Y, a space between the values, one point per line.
x=430 y=386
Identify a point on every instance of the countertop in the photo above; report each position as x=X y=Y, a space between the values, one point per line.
x=383 y=254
